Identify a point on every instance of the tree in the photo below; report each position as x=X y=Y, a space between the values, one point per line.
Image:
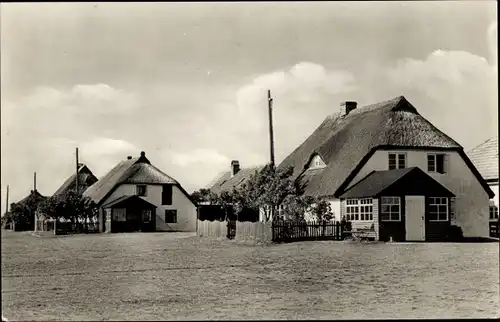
x=204 y=195
x=266 y=190
x=71 y=206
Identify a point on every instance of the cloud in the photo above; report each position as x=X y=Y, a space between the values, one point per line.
x=493 y=43
x=303 y=83
x=41 y=130
x=209 y=156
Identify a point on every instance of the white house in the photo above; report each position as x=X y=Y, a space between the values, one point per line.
x=137 y=196
x=485 y=158
x=387 y=168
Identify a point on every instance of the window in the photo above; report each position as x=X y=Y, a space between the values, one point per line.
x=397 y=161
x=359 y=209
x=166 y=195
x=436 y=163
x=141 y=190
x=438 y=209
x=493 y=213
x=171 y=216
x=390 y=209
x=147 y=215
x=316 y=162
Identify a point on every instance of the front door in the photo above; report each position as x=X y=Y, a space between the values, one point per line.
x=415 y=218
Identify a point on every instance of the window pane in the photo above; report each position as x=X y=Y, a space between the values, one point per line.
x=394 y=216
x=442 y=216
x=385 y=208
x=395 y=209
x=442 y=209
x=384 y=216
x=362 y=216
x=401 y=161
x=432 y=216
x=356 y=217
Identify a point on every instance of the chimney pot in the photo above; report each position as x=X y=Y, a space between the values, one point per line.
x=129 y=157
x=143 y=154
x=235 y=167
x=347 y=106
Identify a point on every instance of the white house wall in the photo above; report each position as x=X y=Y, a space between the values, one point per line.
x=472 y=203
x=186 y=210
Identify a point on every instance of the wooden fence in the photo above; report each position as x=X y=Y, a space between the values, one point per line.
x=297 y=231
x=494 y=229
x=63 y=228
x=254 y=231
x=214 y=229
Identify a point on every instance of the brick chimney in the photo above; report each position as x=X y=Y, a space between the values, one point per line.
x=143 y=154
x=129 y=157
x=235 y=167
x=347 y=107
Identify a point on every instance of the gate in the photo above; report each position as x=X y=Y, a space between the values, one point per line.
x=231 y=229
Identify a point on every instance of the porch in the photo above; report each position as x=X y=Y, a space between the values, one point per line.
x=400 y=205
x=129 y=214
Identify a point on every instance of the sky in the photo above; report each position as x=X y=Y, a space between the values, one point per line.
x=187 y=82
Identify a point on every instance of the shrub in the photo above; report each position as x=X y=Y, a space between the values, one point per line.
x=454 y=234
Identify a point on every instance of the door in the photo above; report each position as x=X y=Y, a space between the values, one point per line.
x=415 y=218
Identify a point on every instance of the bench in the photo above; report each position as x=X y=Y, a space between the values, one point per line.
x=362 y=233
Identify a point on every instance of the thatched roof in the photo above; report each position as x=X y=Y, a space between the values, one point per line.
x=345 y=143
x=407 y=181
x=131 y=171
x=485 y=158
x=85 y=179
x=128 y=200
x=224 y=181
x=34 y=198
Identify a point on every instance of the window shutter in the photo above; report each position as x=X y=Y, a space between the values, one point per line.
x=445 y=163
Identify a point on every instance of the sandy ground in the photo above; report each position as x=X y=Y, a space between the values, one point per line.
x=175 y=276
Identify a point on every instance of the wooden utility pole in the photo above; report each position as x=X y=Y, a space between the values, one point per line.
x=271 y=135
x=7 y=200
x=77 y=183
x=34 y=181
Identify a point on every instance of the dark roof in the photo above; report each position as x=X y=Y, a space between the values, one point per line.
x=85 y=179
x=224 y=181
x=343 y=143
x=127 y=200
x=34 y=197
x=132 y=171
x=407 y=181
x=485 y=159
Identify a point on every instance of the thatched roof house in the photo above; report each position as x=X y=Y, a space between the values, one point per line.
x=34 y=198
x=344 y=142
x=234 y=178
x=485 y=158
x=175 y=210
x=85 y=179
x=354 y=159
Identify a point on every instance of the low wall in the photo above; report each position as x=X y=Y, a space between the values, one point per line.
x=214 y=229
x=258 y=231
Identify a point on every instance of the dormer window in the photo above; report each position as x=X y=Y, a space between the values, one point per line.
x=316 y=163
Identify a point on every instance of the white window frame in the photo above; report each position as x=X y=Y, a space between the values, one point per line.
x=398 y=155
x=494 y=211
x=434 y=164
x=361 y=207
x=394 y=201
x=438 y=201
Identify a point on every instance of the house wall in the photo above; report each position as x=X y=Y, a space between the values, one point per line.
x=186 y=210
x=495 y=190
x=472 y=201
